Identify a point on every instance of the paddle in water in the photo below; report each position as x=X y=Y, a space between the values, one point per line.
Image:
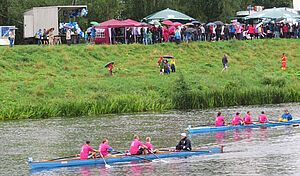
x=106 y=165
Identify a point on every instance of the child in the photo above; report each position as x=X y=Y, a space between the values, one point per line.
x=167 y=67
x=173 y=65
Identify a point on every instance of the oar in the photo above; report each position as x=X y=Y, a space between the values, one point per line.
x=157 y=156
x=64 y=157
x=106 y=165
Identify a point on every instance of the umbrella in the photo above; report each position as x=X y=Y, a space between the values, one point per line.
x=144 y=24
x=189 y=24
x=89 y=29
x=203 y=24
x=167 y=56
x=236 y=23
x=219 y=23
x=167 y=22
x=177 y=24
x=211 y=24
x=196 y=22
x=190 y=30
x=95 y=23
x=273 y=13
x=109 y=63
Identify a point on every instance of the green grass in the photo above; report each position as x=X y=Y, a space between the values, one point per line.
x=41 y=82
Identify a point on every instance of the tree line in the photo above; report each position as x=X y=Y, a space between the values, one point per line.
x=11 y=11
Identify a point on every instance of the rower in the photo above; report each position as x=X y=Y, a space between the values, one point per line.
x=286 y=116
x=136 y=147
x=262 y=118
x=248 y=119
x=184 y=143
x=219 y=120
x=150 y=146
x=86 y=149
x=104 y=148
x=237 y=120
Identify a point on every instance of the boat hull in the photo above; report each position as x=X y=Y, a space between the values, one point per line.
x=193 y=130
x=122 y=158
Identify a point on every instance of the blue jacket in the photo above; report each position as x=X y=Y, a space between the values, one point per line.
x=287 y=116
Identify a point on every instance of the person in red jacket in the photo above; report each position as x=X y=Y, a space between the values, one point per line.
x=285 y=31
x=251 y=31
x=283 y=61
x=110 y=69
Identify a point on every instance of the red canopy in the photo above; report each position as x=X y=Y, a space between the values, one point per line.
x=135 y=23
x=114 y=24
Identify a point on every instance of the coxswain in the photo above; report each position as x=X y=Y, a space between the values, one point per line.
x=286 y=116
x=136 y=147
x=104 y=148
x=237 y=120
x=184 y=143
x=247 y=118
x=149 y=146
x=220 y=120
x=262 y=118
x=86 y=149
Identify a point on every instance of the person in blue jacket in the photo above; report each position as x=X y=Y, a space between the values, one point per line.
x=286 y=116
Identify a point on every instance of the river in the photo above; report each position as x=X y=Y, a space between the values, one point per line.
x=271 y=151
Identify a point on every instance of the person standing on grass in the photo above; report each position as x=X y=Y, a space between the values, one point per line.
x=51 y=36
x=68 y=37
x=167 y=67
x=110 y=69
x=173 y=64
x=38 y=36
x=283 y=61
x=162 y=66
x=45 y=37
x=224 y=61
x=11 y=37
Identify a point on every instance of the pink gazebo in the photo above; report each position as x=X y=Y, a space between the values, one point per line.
x=135 y=23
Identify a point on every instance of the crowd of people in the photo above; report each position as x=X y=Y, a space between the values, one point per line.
x=197 y=32
x=247 y=119
x=165 y=66
x=45 y=37
x=136 y=148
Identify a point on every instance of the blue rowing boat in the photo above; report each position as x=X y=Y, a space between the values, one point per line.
x=122 y=158
x=209 y=129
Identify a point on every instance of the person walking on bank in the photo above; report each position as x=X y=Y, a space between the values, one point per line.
x=283 y=61
x=11 y=37
x=224 y=61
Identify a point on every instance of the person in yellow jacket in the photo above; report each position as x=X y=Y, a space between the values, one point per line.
x=173 y=64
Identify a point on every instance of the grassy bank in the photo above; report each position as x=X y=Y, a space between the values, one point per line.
x=40 y=82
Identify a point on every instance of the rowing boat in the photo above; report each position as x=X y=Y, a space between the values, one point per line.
x=122 y=158
x=209 y=129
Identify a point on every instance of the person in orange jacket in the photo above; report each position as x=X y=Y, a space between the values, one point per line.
x=283 y=61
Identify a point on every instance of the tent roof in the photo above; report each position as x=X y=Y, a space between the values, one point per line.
x=168 y=14
x=114 y=24
x=273 y=13
x=130 y=21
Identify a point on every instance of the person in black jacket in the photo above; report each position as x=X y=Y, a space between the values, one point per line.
x=184 y=143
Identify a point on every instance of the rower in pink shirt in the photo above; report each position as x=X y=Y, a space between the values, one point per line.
x=247 y=118
x=136 y=147
x=104 y=148
x=237 y=120
x=262 y=118
x=219 y=120
x=85 y=150
x=150 y=146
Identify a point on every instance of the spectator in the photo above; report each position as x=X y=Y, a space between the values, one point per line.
x=167 y=67
x=45 y=37
x=251 y=31
x=93 y=35
x=173 y=65
x=86 y=37
x=11 y=37
x=68 y=37
x=285 y=31
x=177 y=35
x=51 y=36
x=38 y=36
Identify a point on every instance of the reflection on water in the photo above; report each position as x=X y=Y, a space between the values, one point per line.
x=261 y=151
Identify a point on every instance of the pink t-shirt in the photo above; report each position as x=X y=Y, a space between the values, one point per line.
x=236 y=119
x=262 y=118
x=134 y=147
x=247 y=119
x=149 y=146
x=103 y=149
x=219 y=121
x=84 y=153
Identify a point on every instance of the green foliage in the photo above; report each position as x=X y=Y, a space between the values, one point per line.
x=41 y=82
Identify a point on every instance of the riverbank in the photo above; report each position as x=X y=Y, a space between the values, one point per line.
x=41 y=82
